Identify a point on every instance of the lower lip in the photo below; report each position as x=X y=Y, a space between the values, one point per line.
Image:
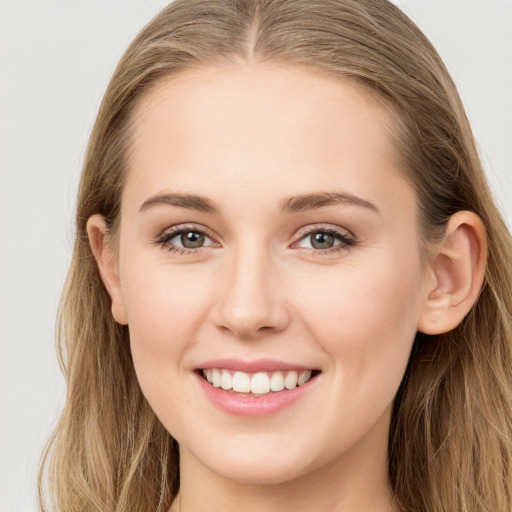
x=254 y=406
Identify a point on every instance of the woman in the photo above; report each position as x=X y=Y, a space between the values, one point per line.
x=291 y=288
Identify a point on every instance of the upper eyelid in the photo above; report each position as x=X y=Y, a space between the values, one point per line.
x=179 y=228
x=312 y=228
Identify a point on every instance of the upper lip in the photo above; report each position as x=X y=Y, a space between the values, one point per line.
x=256 y=365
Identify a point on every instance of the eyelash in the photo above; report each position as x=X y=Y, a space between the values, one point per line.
x=346 y=240
x=165 y=238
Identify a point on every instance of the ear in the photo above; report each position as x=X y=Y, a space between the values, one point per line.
x=457 y=273
x=107 y=265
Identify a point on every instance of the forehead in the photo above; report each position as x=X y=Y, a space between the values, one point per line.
x=269 y=96
x=254 y=125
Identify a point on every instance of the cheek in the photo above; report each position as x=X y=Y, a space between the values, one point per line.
x=365 y=317
x=165 y=307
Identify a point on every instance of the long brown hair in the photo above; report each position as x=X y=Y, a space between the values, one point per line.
x=450 y=444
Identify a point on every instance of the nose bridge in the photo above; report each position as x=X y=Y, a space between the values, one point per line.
x=253 y=297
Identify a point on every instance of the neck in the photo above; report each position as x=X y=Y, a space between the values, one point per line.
x=357 y=480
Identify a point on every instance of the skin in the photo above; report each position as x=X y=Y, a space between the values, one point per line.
x=247 y=138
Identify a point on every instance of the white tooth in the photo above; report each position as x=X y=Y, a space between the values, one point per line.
x=208 y=375
x=290 y=381
x=260 y=383
x=277 y=381
x=241 y=382
x=226 y=381
x=304 y=377
x=216 y=378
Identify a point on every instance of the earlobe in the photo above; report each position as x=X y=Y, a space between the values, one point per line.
x=107 y=265
x=457 y=271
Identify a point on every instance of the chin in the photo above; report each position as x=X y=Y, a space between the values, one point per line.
x=260 y=472
x=258 y=463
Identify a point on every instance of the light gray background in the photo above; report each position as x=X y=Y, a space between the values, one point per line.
x=56 y=58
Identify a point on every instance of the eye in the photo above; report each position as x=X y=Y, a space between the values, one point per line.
x=184 y=239
x=326 y=240
x=189 y=239
x=321 y=240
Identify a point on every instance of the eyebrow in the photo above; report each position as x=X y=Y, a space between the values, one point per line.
x=314 y=201
x=294 y=204
x=188 y=201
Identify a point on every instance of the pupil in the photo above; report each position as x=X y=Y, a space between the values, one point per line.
x=192 y=239
x=322 y=240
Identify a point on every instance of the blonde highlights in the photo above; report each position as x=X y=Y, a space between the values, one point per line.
x=450 y=444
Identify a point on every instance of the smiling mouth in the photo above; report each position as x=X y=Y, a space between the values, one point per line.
x=257 y=383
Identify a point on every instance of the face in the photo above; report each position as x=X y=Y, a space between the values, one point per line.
x=268 y=243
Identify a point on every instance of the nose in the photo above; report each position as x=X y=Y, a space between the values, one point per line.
x=252 y=300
